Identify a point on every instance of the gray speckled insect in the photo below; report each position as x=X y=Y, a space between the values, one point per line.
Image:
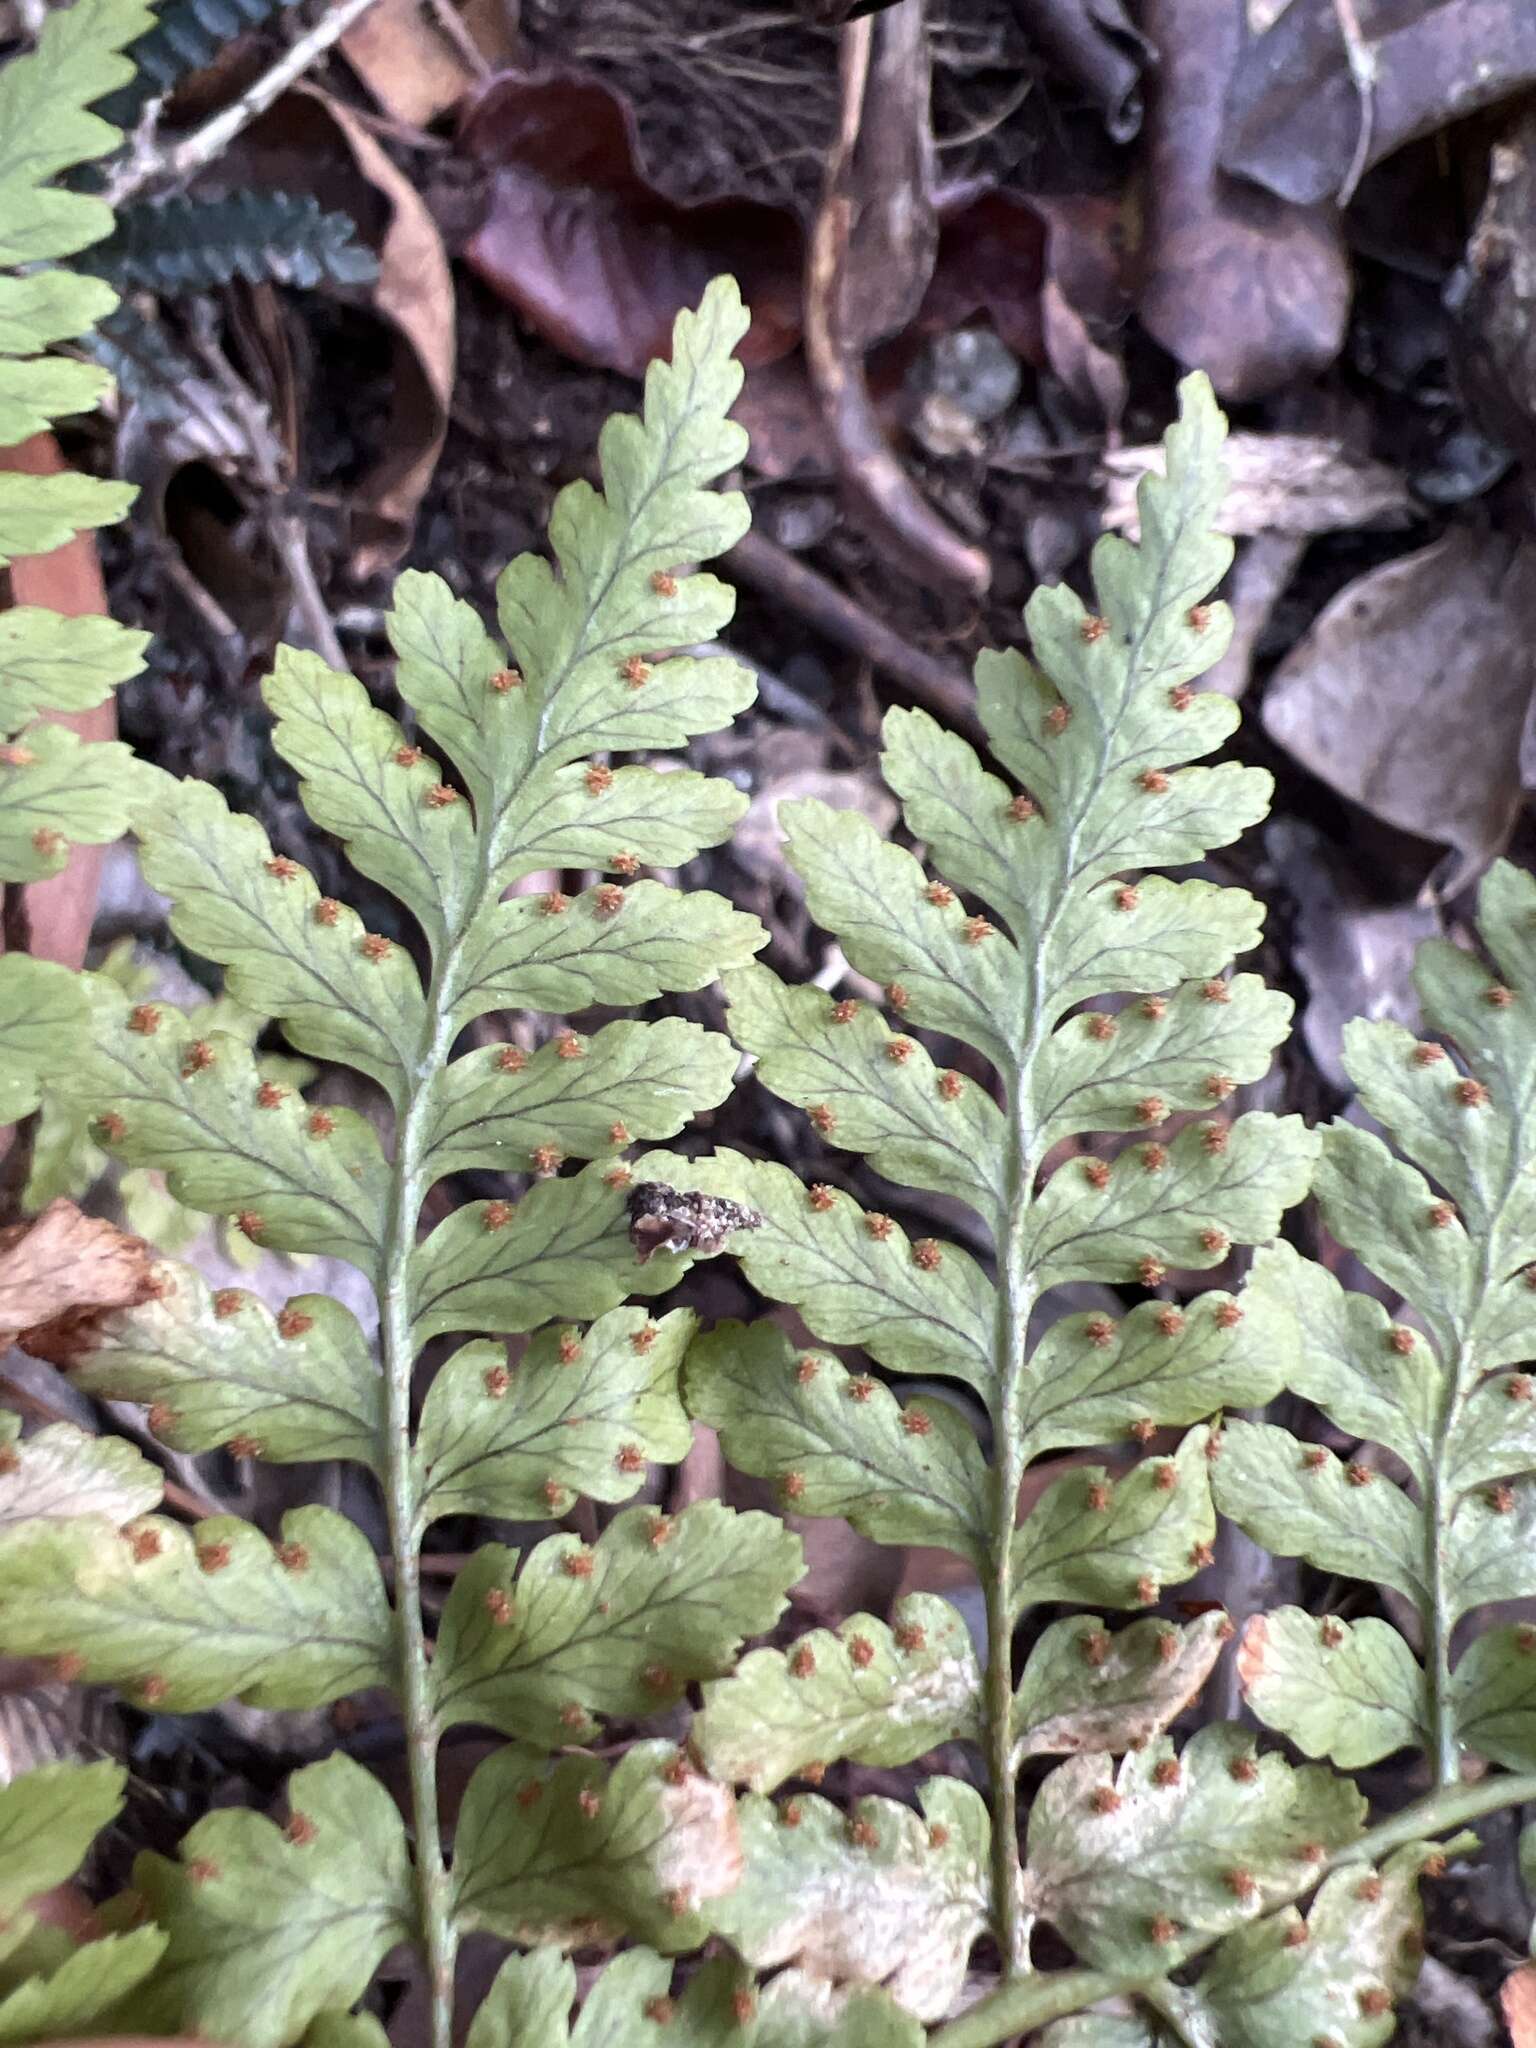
x=667 y=1219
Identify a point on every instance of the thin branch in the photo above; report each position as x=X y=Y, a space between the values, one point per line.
x=1361 y=53
x=182 y=159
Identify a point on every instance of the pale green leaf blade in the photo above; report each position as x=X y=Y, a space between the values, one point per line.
x=921 y=1125
x=616 y=596
x=216 y=1367
x=583 y=1412
x=52 y=663
x=446 y=662
x=1490 y=1547
x=43 y=1026
x=613 y=1631
x=60 y=1471
x=881 y=1896
x=184 y=1619
x=607 y=945
x=582 y=1097
x=360 y=778
x=1381 y=1207
x=55 y=790
x=78 y=1995
x=916 y=1305
x=41 y=513
x=197 y=1108
x=800 y=2009
x=48 y=1819
x=1493 y=1688
x=1175 y=1846
x=642 y=1849
x=1094 y=1539
x=35 y=394
x=1177 y=1204
x=562 y=1250
x=1092 y=1379
x=270 y=1927
x=1084 y=1688
x=530 y=2000
x=1146 y=936
x=1494 y=1434
x=1337 y=1976
x=1299 y=1500
x=291 y=953
x=955 y=977
x=1188 y=1050
x=345 y=2030
x=45 y=92
x=590 y=815
x=1343 y=1356
x=839 y=1443
x=48 y=306
x=871 y=1691
x=1348 y=1691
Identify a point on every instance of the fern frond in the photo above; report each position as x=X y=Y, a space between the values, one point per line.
x=184 y=36
x=1451 y=1226
x=1099 y=996
x=577 y=1633
x=179 y=246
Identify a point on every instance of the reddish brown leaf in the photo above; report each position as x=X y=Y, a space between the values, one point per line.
x=1517 y=1997
x=61 y=910
x=590 y=255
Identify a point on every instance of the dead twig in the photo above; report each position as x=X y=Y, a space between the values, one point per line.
x=183 y=158
x=1361 y=53
x=867 y=266
x=933 y=684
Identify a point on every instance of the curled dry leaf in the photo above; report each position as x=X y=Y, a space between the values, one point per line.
x=1095 y=43
x=312 y=142
x=401 y=52
x=62 y=1268
x=1494 y=295
x=1276 y=483
x=1252 y=289
x=1408 y=692
x=1295 y=121
x=588 y=252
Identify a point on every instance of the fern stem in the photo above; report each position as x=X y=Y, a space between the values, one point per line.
x=1010 y=1349
x=1024 y=2005
x=421 y=1730
x=1445 y=1750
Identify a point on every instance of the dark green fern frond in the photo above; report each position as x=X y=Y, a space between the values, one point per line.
x=175 y=247
x=187 y=37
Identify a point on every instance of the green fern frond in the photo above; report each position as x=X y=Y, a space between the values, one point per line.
x=179 y=246
x=578 y=1634
x=184 y=36
x=1099 y=996
x=1450 y=1225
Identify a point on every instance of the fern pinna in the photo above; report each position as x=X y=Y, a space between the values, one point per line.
x=1099 y=996
x=56 y=791
x=267 y=1927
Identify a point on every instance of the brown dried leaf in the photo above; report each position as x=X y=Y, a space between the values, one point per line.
x=61 y=1268
x=311 y=142
x=402 y=55
x=1238 y=283
x=1294 y=115
x=1408 y=692
x=1276 y=483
